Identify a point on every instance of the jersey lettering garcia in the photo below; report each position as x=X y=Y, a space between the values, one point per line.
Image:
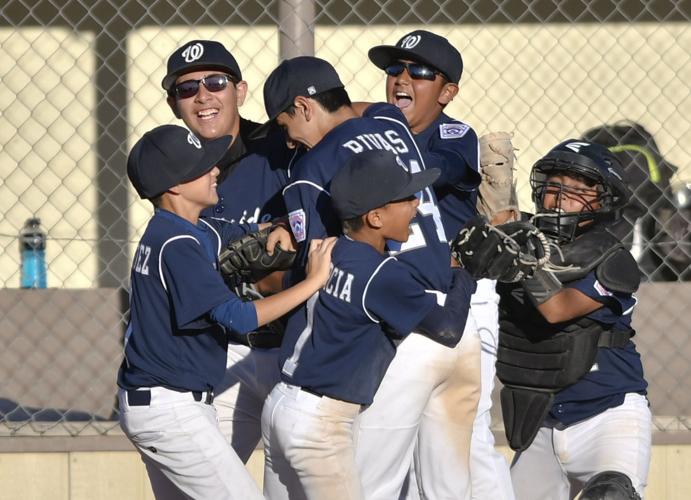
x=308 y=202
x=170 y=340
x=345 y=347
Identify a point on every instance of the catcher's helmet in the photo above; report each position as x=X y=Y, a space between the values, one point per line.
x=590 y=162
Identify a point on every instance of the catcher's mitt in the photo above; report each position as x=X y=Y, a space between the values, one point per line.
x=508 y=252
x=497 y=191
x=246 y=260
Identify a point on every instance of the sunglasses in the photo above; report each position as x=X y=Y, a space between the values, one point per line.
x=415 y=70
x=212 y=83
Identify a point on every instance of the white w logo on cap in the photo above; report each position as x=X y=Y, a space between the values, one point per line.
x=410 y=41
x=193 y=52
x=576 y=146
x=194 y=140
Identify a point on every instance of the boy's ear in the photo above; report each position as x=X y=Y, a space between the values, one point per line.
x=241 y=92
x=374 y=219
x=173 y=103
x=304 y=105
x=447 y=94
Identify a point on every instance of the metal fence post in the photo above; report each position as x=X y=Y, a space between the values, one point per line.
x=296 y=28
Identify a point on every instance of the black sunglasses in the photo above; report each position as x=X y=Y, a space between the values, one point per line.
x=212 y=83
x=415 y=70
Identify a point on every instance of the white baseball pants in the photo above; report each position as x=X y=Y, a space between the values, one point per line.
x=185 y=454
x=308 y=446
x=489 y=469
x=564 y=459
x=250 y=376
x=426 y=403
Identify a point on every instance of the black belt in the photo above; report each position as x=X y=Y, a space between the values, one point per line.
x=261 y=340
x=143 y=398
x=311 y=391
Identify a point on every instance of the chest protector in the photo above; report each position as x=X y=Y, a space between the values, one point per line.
x=536 y=359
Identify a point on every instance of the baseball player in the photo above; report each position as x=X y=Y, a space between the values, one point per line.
x=176 y=340
x=306 y=97
x=333 y=367
x=423 y=70
x=574 y=394
x=205 y=88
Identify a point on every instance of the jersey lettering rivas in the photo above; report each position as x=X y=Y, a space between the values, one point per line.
x=251 y=180
x=343 y=351
x=308 y=202
x=170 y=340
x=452 y=146
x=616 y=371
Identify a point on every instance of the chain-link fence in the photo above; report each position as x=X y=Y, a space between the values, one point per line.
x=81 y=83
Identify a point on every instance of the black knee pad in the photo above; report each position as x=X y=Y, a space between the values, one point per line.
x=609 y=485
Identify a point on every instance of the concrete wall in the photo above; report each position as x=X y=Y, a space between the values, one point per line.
x=118 y=475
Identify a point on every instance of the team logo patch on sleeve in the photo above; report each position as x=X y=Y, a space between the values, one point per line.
x=453 y=130
x=296 y=218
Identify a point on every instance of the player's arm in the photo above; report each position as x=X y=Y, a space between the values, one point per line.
x=398 y=300
x=567 y=304
x=244 y=317
x=457 y=158
x=598 y=289
x=445 y=324
x=611 y=285
x=456 y=155
x=309 y=209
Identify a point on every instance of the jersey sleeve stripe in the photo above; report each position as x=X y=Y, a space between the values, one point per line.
x=309 y=183
x=364 y=293
x=218 y=237
x=160 y=255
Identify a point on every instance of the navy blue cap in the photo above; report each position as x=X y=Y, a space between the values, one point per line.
x=372 y=179
x=200 y=54
x=170 y=155
x=423 y=47
x=300 y=76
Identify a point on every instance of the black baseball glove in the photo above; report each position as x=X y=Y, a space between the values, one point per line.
x=246 y=260
x=508 y=252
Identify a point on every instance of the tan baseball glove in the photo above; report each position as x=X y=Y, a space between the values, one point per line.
x=497 y=192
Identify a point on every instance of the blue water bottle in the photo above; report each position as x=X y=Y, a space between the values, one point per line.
x=32 y=247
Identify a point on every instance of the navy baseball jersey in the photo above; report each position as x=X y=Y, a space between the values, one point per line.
x=343 y=351
x=171 y=340
x=452 y=146
x=252 y=176
x=308 y=202
x=616 y=370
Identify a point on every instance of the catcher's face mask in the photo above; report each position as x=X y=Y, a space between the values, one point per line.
x=573 y=185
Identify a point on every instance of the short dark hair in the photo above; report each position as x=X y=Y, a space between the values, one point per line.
x=352 y=225
x=156 y=200
x=331 y=100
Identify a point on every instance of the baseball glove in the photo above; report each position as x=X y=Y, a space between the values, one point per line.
x=246 y=260
x=508 y=252
x=497 y=191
